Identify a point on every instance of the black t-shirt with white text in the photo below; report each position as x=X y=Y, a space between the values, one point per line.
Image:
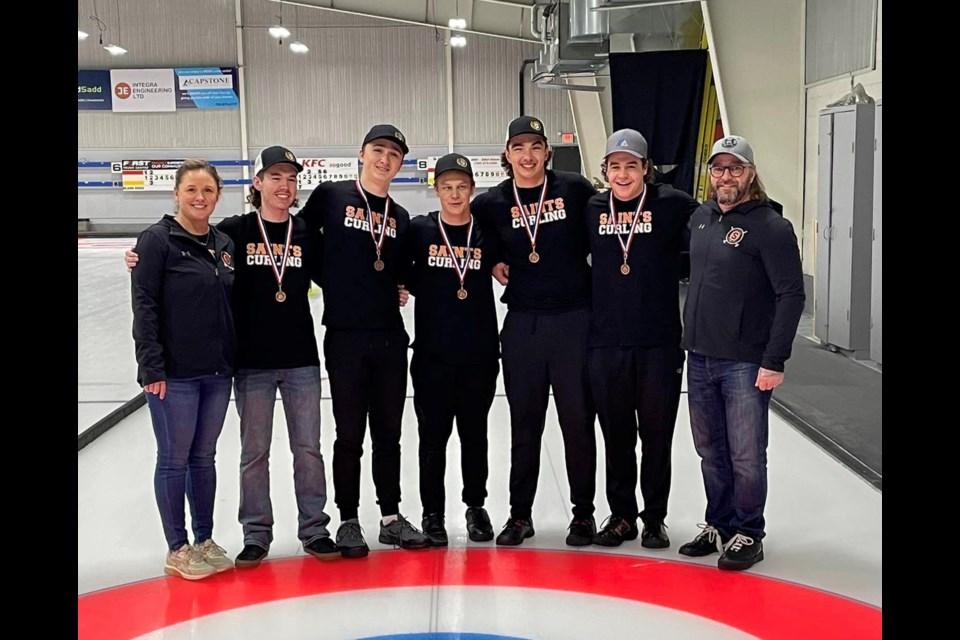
x=641 y=308
x=272 y=334
x=560 y=280
x=355 y=295
x=449 y=329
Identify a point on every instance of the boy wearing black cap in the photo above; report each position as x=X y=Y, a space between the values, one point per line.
x=276 y=262
x=276 y=349
x=455 y=353
x=538 y=217
x=634 y=360
x=365 y=347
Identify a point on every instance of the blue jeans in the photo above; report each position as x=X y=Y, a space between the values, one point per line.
x=730 y=421
x=187 y=423
x=256 y=396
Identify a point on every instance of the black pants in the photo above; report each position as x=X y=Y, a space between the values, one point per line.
x=442 y=392
x=368 y=375
x=637 y=390
x=540 y=352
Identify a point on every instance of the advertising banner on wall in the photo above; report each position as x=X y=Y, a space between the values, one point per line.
x=318 y=170
x=207 y=88
x=140 y=90
x=93 y=91
x=149 y=175
x=157 y=90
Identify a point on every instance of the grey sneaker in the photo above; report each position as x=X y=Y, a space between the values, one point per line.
x=350 y=540
x=186 y=562
x=400 y=533
x=215 y=555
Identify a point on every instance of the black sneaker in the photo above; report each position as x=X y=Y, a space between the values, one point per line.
x=707 y=541
x=250 y=557
x=516 y=531
x=434 y=530
x=479 y=528
x=400 y=533
x=350 y=540
x=741 y=552
x=654 y=535
x=581 y=531
x=322 y=548
x=615 y=530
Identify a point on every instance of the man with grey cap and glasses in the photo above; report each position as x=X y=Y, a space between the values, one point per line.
x=741 y=315
x=634 y=361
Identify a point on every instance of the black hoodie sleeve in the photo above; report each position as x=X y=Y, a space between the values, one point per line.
x=780 y=254
x=146 y=294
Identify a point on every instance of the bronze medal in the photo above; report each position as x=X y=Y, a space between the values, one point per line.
x=531 y=233
x=279 y=270
x=625 y=268
x=462 y=294
x=378 y=265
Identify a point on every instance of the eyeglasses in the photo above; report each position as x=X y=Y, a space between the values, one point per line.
x=736 y=170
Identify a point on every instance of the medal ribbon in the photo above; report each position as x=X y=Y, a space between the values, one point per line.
x=633 y=227
x=378 y=243
x=277 y=271
x=523 y=214
x=461 y=273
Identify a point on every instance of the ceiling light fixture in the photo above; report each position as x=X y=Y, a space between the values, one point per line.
x=82 y=35
x=279 y=31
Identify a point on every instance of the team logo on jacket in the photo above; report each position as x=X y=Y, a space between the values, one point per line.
x=227 y=259
x=734 y=236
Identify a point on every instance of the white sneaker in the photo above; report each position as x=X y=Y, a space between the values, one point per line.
x=187 y=562
x=215 y=555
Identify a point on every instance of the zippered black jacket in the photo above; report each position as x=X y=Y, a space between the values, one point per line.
x=746 y=285
x=181 y=293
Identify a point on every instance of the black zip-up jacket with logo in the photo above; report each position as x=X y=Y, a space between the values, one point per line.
x=181 y=293
x=746 y=285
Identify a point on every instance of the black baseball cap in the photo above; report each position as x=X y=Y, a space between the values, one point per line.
x=387 y=132
x=453 y=162
x=275 y=155
x=526 y=124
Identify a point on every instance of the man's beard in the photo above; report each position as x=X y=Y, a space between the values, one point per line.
x=728 y=195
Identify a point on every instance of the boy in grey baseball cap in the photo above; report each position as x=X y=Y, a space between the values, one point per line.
x=628 y=141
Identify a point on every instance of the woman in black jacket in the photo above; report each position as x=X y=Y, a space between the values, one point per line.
x=184 y=335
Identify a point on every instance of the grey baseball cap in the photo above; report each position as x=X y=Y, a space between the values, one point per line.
x=735 y=146
x=628 y=141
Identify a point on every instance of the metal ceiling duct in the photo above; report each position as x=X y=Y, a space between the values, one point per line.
x=587 y=25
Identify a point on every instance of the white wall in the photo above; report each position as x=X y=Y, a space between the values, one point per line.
x=817 y=97
x=757 y=50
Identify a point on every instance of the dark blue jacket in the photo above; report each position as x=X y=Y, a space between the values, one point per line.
x=746 y=285
x=181 y=293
